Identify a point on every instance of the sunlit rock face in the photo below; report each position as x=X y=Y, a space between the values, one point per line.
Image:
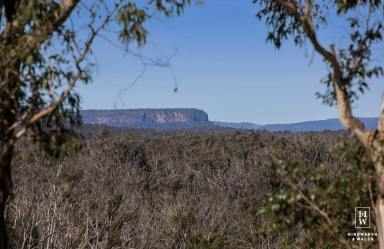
x=147 y=118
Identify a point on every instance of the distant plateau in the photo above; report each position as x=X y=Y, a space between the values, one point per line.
x=190 y=118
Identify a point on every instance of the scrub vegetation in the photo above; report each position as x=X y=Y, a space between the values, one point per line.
x=206 y=190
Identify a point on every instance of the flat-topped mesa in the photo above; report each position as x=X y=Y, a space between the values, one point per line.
x=148 y=118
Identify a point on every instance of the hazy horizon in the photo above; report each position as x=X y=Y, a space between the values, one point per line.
x=223 y=66
x=226 y=121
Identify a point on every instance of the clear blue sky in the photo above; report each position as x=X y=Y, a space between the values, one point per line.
x=223 y=65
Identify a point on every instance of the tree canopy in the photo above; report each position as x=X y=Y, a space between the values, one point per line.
x=45 y=51
x=352 y=62
x=46 y=48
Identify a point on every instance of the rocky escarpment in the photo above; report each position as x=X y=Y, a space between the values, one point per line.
x=147 y=118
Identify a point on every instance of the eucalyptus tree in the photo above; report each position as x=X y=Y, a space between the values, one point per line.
x=45 y=51
x=352 y=62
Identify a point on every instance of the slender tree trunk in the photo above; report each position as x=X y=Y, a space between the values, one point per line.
x=5 y=188
x=379 y=208
x=379 y=211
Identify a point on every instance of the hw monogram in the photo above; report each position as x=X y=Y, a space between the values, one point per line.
x=362 y=217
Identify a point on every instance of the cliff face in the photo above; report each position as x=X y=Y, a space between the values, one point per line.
x=147 y=118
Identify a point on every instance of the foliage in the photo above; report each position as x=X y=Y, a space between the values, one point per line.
x=320 y=203
x=363 y=25
x=149 y=189
x=351 y=65
x=46 y=50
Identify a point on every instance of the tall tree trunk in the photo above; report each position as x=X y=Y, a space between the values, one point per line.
x=5 y=188
x=379 y=208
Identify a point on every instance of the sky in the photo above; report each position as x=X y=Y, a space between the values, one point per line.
x=220 y=64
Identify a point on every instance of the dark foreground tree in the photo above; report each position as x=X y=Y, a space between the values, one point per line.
x=352 y=61
x=45 y=48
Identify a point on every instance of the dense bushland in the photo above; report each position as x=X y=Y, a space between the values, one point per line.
x=162 y=190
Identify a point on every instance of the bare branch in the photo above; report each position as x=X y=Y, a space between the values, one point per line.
x=312 y=205
x=27 y=118
x=163 y=62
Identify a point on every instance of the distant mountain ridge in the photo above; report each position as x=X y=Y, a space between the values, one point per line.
x=189 y=118
x=333 y=124
x=169 y=118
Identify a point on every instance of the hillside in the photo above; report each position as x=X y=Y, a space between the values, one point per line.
x=160 y=190
x=318 y=125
